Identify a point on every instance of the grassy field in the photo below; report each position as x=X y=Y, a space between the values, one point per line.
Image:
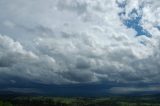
x=79 y=101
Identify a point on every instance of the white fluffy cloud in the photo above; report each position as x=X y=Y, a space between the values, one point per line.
x=78 y=41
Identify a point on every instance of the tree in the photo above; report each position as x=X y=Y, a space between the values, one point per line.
x=1 y=103
x=7 y=104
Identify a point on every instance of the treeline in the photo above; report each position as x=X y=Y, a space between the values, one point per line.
x=5 y=103
x=50 y=101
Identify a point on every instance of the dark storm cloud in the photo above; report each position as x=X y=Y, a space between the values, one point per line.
x=78 y=76
x=6 y=62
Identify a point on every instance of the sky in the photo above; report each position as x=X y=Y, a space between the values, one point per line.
x=91 y=47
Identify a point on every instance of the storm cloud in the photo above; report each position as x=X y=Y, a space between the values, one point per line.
x=80 y=41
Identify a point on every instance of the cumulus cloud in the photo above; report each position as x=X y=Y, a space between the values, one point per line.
x=16 y=61
x=79 y=41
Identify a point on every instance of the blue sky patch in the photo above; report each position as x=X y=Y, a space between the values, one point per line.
x=133 y=21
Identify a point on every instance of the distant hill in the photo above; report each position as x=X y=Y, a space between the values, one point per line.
x=11 y=94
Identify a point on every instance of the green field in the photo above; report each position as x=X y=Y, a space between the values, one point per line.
x=79 y=101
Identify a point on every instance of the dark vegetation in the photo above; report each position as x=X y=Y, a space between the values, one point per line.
x=78 y=101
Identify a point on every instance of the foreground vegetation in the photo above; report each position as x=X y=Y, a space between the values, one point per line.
x=59 y=101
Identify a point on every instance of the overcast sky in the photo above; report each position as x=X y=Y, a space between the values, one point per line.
x=70 y=42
